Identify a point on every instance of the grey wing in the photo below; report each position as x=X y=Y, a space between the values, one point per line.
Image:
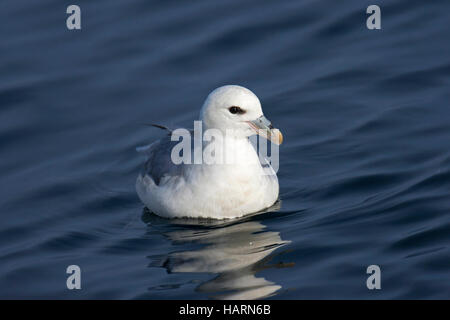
x=159 y=162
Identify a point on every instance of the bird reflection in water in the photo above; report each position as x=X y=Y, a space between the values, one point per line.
x=234 y=250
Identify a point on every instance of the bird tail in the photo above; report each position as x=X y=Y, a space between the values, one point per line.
x=159 y=126
x=145 y=149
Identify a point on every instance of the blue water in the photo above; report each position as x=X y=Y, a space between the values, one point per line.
x=364 y=170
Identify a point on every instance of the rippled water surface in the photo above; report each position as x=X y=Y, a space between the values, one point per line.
x=364 y=170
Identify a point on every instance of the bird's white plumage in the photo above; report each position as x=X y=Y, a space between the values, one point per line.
x=217 y=191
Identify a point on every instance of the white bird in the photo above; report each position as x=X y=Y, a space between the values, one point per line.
x=219 y=190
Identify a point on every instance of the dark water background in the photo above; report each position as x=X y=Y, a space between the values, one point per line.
x=364 y=170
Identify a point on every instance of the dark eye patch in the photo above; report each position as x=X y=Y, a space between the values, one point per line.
x=236 y=110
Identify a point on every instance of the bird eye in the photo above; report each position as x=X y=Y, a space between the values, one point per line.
x=236 y=110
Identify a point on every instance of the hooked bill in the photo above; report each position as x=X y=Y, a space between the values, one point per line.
x=273 y=135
